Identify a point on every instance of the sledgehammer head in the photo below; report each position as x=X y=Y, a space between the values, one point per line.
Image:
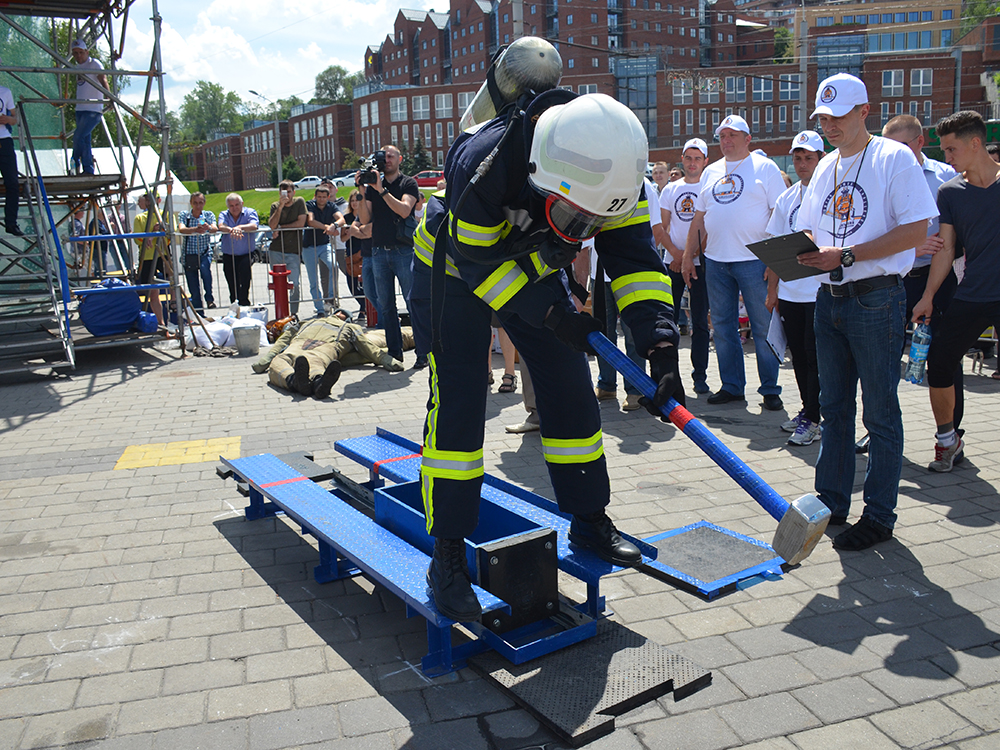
x=800 y=529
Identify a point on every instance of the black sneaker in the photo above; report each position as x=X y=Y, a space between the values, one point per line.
x=448 y=577
x=862 y=535
x=724 y=397
x=14 y=230
x=772 y=402
x=323 y=384
x=301 y=378
x=598 y=534
x=420 y=364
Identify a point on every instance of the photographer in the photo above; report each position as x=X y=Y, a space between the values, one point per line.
x=389 y=201
x=288 y=217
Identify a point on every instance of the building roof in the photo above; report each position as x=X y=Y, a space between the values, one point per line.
x=438 y=19
x=413 y=15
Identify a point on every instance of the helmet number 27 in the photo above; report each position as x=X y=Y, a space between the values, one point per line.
x=617 y=204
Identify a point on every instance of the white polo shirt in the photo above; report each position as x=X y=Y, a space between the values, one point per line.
x=679 y=199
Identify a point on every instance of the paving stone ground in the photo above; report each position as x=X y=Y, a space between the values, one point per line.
x=140 y=610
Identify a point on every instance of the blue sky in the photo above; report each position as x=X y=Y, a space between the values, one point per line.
x=275 y=47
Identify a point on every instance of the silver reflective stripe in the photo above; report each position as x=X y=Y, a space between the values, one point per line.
x=444 y=464
x=480 y=238
x=639 y=286
x=580 y=450
x=501 y=285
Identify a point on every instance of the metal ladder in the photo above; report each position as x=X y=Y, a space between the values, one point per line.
x=34 y=285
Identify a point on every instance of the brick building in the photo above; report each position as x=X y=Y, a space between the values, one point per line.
x=258 y=152
x=318 y=135
x=222 y=157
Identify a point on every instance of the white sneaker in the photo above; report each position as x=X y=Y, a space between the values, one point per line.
x=945 y=458
x=631 y=402
x=526 y=426
x=793 y=424
x=807 y=433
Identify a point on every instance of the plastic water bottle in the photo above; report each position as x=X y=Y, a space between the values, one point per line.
x=920 y=342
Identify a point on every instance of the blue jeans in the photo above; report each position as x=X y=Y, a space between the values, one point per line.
x=725 y=282
x=83 y=153
x=860 y=338
x=388 y=265
x=195 y=266
x=368 y=283
x=311 y=257
x=607 y=376
x=293 y=263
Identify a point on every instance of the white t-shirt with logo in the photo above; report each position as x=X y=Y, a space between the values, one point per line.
x=7 y=108
x=737 y=198
x=783 y=222
x=679 y=198
x=863 y=197
x=86 y=90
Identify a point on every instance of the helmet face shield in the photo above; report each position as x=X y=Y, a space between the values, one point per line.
x=571 y=223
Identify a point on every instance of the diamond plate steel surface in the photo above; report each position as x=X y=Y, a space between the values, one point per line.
x=578 y=691
x=709 y=559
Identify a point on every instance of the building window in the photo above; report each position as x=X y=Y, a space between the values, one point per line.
x=768 y=119
x=709 y=96
x=921 y=81
x=892 y=83
x=788 y=87
x=677 y=122
x=393 y=134
x=442 y=106
x=571 y=63
x=947 y=15
x=451 y=133
x=689 y=121
x=683 y=93
x=297 y=138
x=755 y=127
x=763 y=89
x=439 y=134
x=569 y=20
x=736 y=89
x=782 y=117
x=587 y=88
x=397 y=109
x=946 y=37
x=364 y=114
x=595 y=62
x=464 y=98
x=927 y=112
x=702 y=120
x=715 y=119
x=885 y=113
x=440 y=159
x=824 y=21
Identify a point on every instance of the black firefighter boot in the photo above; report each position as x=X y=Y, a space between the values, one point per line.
x=449 y=579
x=597 y=533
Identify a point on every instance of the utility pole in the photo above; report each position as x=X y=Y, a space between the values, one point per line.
x=803 y=69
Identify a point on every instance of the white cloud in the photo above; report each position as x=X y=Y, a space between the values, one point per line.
x=276 y=47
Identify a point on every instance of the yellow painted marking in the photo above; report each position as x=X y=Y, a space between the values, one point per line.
x=179 y=452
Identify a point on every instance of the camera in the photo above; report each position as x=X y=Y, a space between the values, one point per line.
x=371 y=167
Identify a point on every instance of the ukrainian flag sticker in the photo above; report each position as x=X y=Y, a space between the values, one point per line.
x=564 y=187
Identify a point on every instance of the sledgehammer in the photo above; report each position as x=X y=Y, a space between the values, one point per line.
x=800 y=523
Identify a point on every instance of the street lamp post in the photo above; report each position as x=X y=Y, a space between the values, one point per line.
x=277 y=133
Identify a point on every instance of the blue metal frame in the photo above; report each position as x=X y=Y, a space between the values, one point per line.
x=711 y=589
x=581 y=564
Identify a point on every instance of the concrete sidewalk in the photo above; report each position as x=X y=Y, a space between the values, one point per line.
x=140 y=610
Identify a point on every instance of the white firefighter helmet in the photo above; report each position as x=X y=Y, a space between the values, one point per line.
x=588 y=158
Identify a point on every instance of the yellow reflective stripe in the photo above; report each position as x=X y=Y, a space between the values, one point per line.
x=427 y=256
x=644 y=285
x=573 y=450
x=430 y=441
x=501 y=285
x=473 y=234
x=540 y=267
x=422 y=237
x=460 y=465
x=639 y=214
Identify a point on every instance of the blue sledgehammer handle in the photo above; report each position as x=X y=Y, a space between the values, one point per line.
x=758 y=489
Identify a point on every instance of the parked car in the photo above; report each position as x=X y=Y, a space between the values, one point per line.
x=308 y=182
x=429 y=177
x=345 y=180
x=261 y=243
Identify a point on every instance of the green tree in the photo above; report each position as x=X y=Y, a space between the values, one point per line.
x=209 y=108
x=783 y=51
x=974 y=12
x=290 y=168
x=335 y=85
x=351 y=159
x=420 y=159
x=284 y=108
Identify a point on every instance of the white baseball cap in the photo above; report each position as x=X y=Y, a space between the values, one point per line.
x=697 y=143
x=733 y=122
x=810 y=140
x=839 y=94
x=78 y=44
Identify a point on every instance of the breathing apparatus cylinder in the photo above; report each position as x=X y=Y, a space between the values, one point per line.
x=529 y=64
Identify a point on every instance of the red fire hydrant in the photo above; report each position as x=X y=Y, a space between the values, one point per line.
x=280 y=285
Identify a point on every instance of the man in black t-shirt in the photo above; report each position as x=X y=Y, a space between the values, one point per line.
x=967 y=204
x=389 y=201
x=322 y=220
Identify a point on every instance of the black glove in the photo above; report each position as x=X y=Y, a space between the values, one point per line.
x=573 y=328
x=664 y=368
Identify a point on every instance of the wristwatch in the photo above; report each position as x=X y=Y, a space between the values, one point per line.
x=384 y=193
x=847 y=257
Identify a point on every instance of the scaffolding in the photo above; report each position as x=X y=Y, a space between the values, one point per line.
x=39 y=274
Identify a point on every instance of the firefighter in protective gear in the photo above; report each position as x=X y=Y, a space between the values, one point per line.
x=571 y=169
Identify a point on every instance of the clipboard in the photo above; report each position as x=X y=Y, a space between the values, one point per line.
x=780 y=253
